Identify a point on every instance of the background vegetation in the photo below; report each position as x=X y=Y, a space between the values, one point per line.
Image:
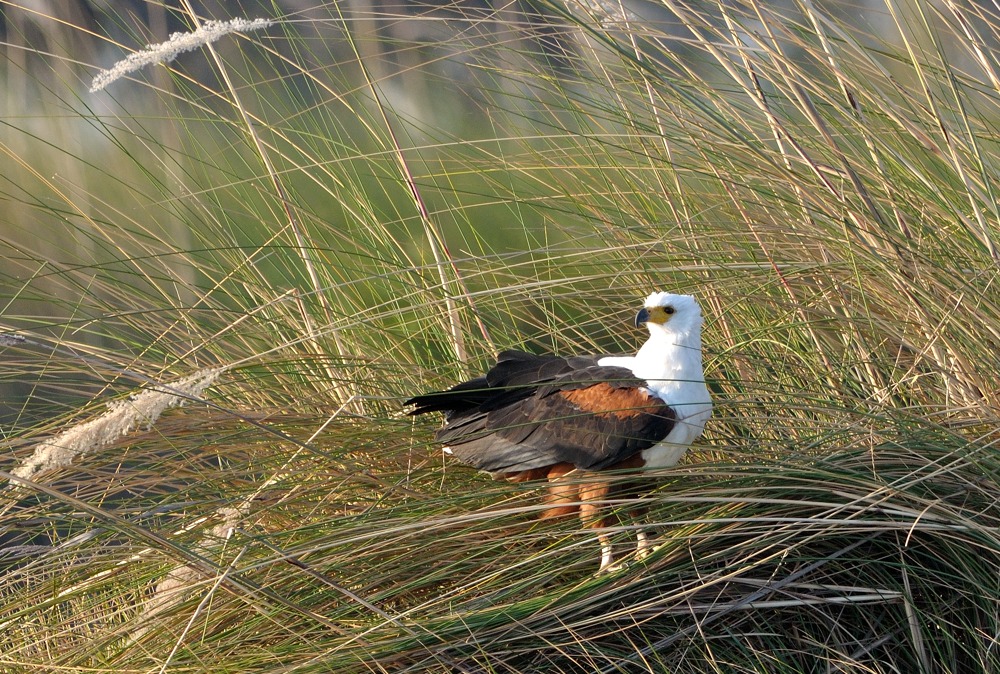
x=291 y=231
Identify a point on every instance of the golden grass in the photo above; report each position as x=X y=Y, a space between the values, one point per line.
x=824 y=186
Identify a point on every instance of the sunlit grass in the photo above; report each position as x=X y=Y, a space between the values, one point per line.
x=340 y=220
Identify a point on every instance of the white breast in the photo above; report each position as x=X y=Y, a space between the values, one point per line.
x=691 y=419
x=679 y=382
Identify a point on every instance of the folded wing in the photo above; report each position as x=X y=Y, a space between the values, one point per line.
x=533 y=411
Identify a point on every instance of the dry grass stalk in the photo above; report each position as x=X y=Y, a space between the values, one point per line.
x=122 y=417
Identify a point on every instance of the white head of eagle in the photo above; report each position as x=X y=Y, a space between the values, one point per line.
x=534 y=417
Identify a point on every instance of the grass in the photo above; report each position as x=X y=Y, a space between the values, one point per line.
x=277 y=205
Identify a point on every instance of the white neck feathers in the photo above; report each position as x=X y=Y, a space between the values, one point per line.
x=670 y=360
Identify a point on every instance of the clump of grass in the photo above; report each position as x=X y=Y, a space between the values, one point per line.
x=824 y=185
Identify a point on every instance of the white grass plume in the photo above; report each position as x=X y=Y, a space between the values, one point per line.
x=610 y=13
x=182 y=580
x=164 y=52
x=121 y=418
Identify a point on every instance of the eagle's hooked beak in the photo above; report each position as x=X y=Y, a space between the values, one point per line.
x=641 y=317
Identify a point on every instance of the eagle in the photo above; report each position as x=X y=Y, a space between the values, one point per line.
x=534 y=417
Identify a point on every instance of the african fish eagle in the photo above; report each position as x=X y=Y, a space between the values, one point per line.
x=542 y=417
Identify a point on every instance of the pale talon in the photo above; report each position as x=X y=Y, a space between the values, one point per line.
x=606 y=557
x=613 y=568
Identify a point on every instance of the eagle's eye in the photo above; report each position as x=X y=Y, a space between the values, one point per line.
x=669 y=310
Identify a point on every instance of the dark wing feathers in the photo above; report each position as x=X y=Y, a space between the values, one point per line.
x=515 y=376
x=465 y=396
x=534 y=411
x=517 y=368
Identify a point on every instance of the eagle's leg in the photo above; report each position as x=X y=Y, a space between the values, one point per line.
x=644 y=546
x=606 y=558
x=567 y=494
x=587 y=513
x=561 y=496
x=592 y=497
